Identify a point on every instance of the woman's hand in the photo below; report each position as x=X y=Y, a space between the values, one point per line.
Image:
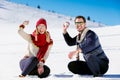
x=40 y=69
x=25 y=23
x=47 y=36
x=26 y=56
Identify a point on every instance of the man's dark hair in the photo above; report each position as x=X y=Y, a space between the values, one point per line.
x=81 y=17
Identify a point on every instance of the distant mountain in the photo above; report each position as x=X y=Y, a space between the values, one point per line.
x=16 y=13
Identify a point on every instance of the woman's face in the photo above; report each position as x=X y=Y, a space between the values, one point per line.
x=80 y=24
x=41 y=28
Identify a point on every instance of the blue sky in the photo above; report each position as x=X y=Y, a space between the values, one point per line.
x=103 y=11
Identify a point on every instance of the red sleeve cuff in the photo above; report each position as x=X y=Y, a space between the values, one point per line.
x=42 y=60
x=22 y=26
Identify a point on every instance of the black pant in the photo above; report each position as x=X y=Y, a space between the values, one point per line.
x=29 y=67
x=79 y=67
x=90 y=67
x=97 y=64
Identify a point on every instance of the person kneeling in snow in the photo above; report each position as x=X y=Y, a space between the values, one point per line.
x=96 y=62
x=39 y=45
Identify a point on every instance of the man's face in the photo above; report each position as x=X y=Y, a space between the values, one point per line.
x=80 y=24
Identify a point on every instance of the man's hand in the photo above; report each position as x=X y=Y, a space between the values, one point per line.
x=72 y=53
x=65 y=26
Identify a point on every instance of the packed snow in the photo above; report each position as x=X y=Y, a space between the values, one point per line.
x=13 y=47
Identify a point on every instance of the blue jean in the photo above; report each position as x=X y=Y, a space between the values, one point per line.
x=28 y=64
x=29 y=67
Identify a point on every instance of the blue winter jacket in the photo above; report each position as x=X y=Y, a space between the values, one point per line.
x=89 y=45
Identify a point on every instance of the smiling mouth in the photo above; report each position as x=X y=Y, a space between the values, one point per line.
x=41 y=32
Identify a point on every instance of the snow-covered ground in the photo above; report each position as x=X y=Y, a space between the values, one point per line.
x=13 y=47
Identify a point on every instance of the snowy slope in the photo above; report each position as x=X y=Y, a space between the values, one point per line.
x=22 y=12
x=13 y=46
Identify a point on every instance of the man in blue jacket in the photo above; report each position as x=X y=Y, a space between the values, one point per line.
x=96 y=62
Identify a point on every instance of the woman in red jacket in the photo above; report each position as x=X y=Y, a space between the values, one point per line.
x=39 y=45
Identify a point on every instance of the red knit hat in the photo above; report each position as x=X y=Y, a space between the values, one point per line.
x=41 y=21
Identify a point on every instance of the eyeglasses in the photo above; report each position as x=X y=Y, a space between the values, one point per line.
x=81 y=23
